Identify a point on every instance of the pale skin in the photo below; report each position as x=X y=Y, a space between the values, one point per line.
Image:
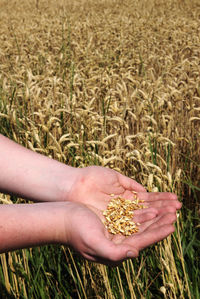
x=70 y=203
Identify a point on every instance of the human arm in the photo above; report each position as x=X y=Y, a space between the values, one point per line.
x=72 y=224
x=31 y=175
x=28 y=225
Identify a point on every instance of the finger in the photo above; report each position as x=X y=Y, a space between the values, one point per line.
x=107 y=262
x=149 y=237
x=157 y=210
x=154 y=196
x=130 y=184
x=163 y=203
x=115 y=252
x=144 y=217
x=165 y=210
x=156 y=222
x=109 y=252
x=114 y=260
x=169 y=218
x=146 y=210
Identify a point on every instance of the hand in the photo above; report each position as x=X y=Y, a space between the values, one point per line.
x=86 y=234
x=39 y=178
x=94 y=185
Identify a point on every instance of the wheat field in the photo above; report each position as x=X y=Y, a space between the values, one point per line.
x=112 y=83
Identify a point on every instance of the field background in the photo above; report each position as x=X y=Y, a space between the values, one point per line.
x=112 y=83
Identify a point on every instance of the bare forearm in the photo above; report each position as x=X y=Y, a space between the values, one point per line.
x=31 y=175
x=27 y=225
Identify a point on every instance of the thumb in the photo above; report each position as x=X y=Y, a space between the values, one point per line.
x=130 y=184
x=108 y=250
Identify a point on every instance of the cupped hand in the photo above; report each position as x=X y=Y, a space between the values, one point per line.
x=86 y=233
x=94 y=185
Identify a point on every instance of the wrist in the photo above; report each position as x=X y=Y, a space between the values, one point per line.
x=64 y=179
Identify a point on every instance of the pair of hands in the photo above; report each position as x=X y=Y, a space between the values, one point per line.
x=89 y=196
x=75 y=199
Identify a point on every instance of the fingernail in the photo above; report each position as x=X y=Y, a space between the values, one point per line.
x=130 y=254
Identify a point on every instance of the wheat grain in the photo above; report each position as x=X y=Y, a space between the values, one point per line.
x=119 y=215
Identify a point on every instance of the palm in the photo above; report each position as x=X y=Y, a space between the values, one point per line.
x=96 y=184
